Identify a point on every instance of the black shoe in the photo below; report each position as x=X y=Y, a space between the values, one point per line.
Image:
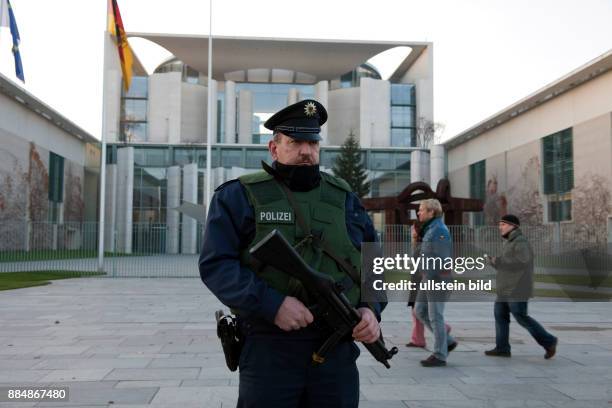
x=432 y=361
x=452 y=346
x=411 y=344
x=495 y=353
x=551 y=351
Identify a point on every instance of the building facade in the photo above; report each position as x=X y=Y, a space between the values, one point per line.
x=49 y=170
x=546 y=158
x=157 y=130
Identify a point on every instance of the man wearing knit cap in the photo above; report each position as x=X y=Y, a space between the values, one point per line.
x=514 y=285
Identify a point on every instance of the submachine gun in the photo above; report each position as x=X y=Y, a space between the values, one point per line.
x=331 y=304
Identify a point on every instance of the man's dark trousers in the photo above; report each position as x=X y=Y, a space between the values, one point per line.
x=502 y=312
x=278 y=372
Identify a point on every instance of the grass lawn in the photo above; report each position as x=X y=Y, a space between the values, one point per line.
x=16 y=280
x=49 y=255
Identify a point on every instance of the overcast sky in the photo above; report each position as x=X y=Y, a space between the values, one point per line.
x=487 y=53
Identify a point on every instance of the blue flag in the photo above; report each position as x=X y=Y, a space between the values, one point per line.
x=7 y=18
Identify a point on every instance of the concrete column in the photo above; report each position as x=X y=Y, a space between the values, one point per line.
x=425 y=167
x=110 y=213
x=230 y=112
x=190 y=194
x=218 y=176
x=374 y=113
x=322 y=96
x=419 y=166
x=113 y=90
x=213 y=90
x=202 y=199
x=436 y=159
x=173 y=216
x=245 y=117
x=125 y=198
x=293 y=97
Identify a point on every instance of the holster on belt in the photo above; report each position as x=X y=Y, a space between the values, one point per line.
x=231 y=339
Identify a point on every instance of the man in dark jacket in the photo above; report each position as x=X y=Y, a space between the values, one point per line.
x=311 y=209
x=514 y=286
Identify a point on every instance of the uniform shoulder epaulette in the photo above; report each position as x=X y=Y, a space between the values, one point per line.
x=256 y=177
x=336 y=181
x=222 y=186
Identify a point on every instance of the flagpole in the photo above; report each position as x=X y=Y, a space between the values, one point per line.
x=103 y=155
x=209 y=114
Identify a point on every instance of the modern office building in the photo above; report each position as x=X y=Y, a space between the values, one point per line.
x=49 y=170
x=157 y=130
x=546 y=158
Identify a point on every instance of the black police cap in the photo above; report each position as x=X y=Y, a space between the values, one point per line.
x=301 y=121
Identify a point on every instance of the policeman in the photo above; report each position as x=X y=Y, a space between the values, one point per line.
x=326 y=223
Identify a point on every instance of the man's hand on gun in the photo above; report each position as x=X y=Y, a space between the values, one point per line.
x=293 y=315
x=368 y=330
x=341 y=317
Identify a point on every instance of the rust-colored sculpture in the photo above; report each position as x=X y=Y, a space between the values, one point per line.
x=397 y=208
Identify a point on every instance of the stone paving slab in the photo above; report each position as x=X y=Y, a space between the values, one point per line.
x=152 y=343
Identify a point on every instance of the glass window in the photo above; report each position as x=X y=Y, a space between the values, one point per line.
x=147 y=156
x=382 y=161
x=478 y=187
x=558 y=165
x=56 y=178
x=231 y=158
x=54 y=211
x=328 y=158
x=155 y=176
x=402 y=160
x=133 y=132
x=353 y=78
x=134 y=110
x=261 y=138
x=269 y=99
x=111 y=154
x=201 y=157
x=389 y=184
x=477 y=179
x=191 y=76
x=560 y=208
x=403 y=137
x=402 y=116
x=173 y=65
x=139 y=88
x=150 y=196
x=184 y=156
x=254 y=158
x=220 y=117
x=402 y=94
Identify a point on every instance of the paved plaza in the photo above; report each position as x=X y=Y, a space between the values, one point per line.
x=152 y=343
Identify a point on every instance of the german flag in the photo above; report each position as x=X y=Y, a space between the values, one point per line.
x=115 y=28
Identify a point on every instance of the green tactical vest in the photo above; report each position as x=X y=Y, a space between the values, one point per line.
x=323 y=210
